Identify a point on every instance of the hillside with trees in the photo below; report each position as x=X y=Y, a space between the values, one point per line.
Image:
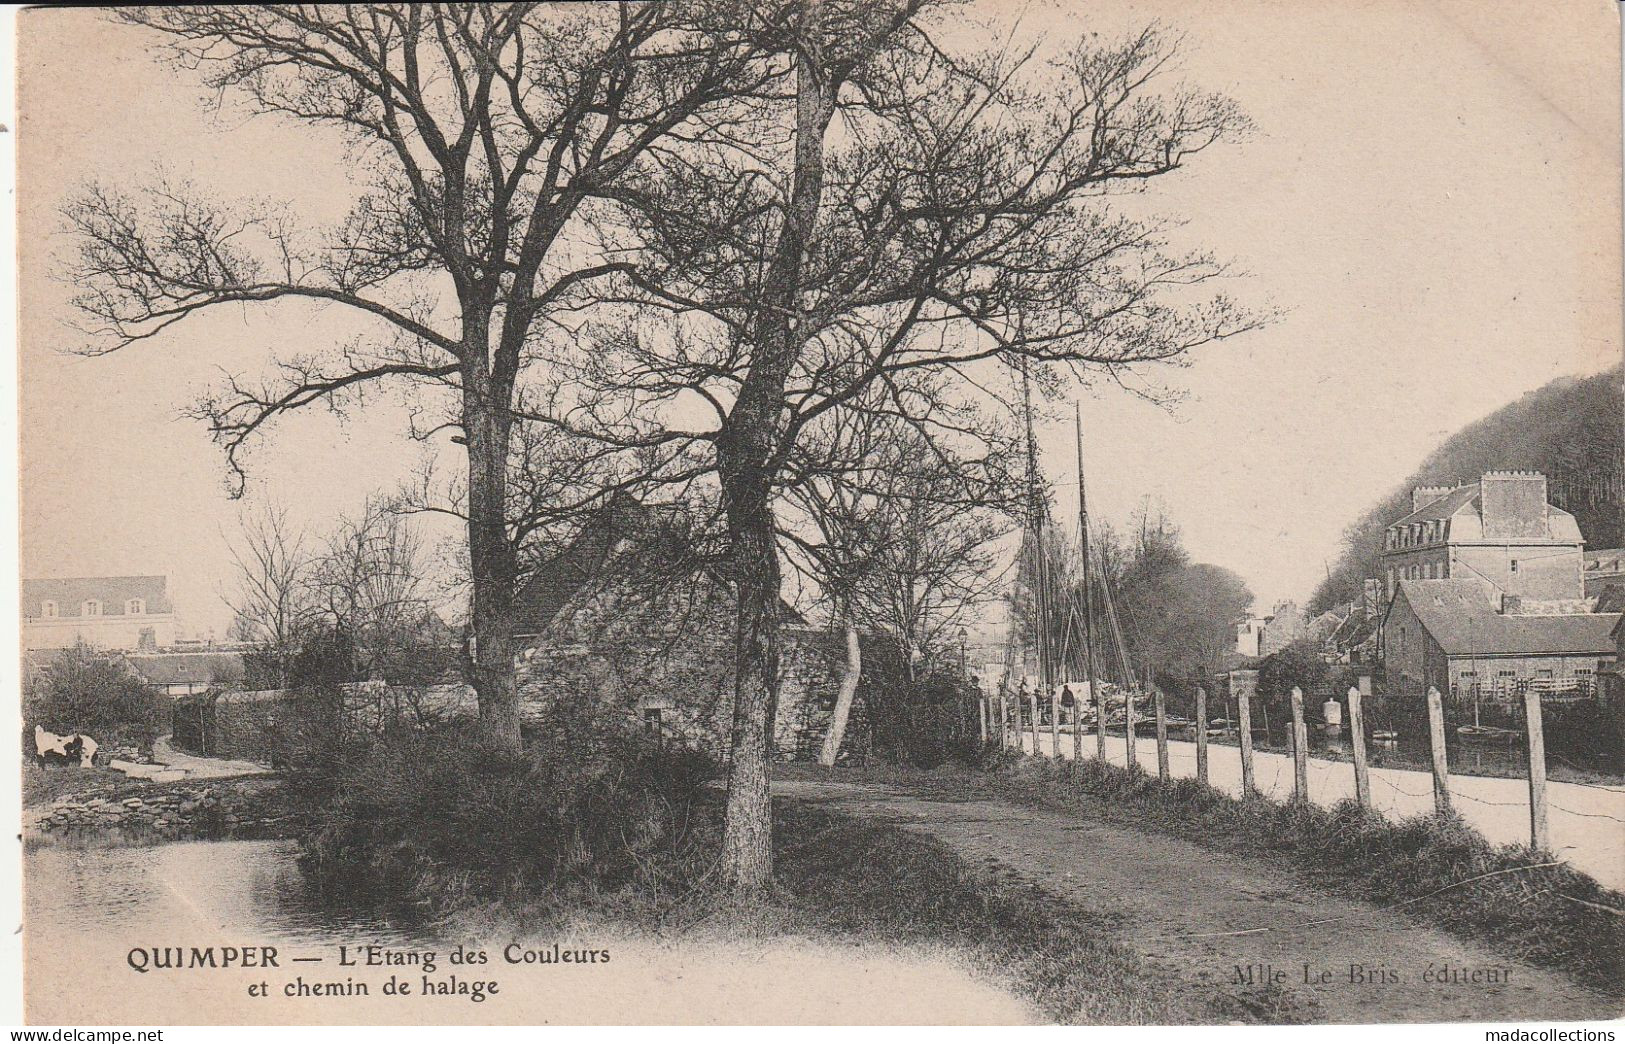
x=1570 y=430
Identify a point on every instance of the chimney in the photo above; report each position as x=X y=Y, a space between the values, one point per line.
x=1422 y=496
x=1513 y=504
x=1511 y=604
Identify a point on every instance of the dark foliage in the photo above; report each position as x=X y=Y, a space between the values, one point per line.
x=590 y=806
x=922 y=721
x=88 y=690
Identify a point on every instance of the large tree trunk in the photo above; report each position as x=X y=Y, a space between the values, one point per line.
x=493 y=568
x=746 y=452
x=747 y=839
x=843 y=698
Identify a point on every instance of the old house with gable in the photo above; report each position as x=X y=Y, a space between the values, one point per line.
x=630 y=616
x=1500 y=530
x=1455 y=635
x=1488 y=598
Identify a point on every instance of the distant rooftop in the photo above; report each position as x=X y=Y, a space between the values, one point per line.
x=1501 y=506
x=113 y=592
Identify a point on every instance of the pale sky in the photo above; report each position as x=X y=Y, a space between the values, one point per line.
x=1431 y=199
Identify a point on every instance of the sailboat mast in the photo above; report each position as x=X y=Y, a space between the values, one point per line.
x=1036 y=524
x=1087 y=637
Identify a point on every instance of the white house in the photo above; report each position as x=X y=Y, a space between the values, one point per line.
x=109 y=612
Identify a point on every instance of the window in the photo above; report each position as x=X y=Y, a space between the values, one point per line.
x=1506 y=674
x=1466 y=675
x=48 y=610
x=1582 y=672
x=1544 y=672
x=135 y=607
x=91 y=608
x=1514 y=565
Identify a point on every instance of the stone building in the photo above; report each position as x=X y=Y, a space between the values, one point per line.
x=185 y=673
x=1604 y=569
x=1454 y=635
x=630 y=617
x=1281 y=628
x=109 y=612
x=1499 y=530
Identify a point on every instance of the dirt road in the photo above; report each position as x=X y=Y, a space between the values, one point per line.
x=1253 y=932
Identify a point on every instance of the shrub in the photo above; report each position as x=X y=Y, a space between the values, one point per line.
x=434 y=816
x=88 y=690
x=923 y=722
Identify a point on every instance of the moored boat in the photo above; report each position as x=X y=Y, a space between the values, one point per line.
x=1486 y=735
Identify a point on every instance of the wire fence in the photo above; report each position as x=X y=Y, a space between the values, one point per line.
x=1498 y=805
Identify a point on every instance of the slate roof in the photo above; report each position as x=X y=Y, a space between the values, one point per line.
x=187 y=668
x=556 y=581
x=1442 y=508
x=1459 y=616
x=112 y=591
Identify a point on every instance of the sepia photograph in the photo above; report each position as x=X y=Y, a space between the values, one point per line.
x=821 y=512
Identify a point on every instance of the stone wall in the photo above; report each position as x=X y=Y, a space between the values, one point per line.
x=242 y=808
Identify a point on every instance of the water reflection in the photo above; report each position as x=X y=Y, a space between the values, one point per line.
x=196 y=888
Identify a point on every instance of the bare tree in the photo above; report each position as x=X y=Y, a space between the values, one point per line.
x=907 y=547
x=900 y=210
x=271 y=599
x=366 y=586
x=487 y=137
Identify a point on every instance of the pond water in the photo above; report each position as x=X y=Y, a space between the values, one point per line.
x=254 y=888
x=87 y=908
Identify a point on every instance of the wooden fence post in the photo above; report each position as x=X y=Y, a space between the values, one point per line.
x=1004 y=720
x=1099 y=698
x=1244 y=711
x=1539 y=837
x=1362 y=776
x=1441 y=761
x=1032 y=708
x=1130 y=761
x=1162 y=736
x=1201 y=736
x=1055 y=723
x=1300 y=749
x=981 y=719
x=1077 y=724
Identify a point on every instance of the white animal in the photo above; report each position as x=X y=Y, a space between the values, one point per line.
x=68 y=748
x=50 y=743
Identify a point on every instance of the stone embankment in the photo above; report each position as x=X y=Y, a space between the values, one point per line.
x=243 y=808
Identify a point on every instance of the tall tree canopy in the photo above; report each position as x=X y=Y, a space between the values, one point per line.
x=677 y=240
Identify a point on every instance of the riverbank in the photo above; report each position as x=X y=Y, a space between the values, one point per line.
x=87 y=805
x=868 y=924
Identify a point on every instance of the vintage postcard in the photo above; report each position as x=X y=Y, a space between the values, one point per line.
x=822 y=512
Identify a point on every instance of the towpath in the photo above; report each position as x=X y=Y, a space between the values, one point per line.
x=1208 y=917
